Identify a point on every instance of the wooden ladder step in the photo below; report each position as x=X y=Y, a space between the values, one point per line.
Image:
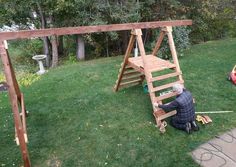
x=128 y=73
x=160 y=114
x=166 y=96
x=131 y=82
x=170 y=66
x=131 y=77
x=165 y=86
x=126 y=69
x=162 y=77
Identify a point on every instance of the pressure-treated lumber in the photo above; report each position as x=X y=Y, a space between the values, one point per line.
x=145 y=65
x=169 y=85
x=173 y=51
x=166 y=76
x=123 y=65
x=90 y=29
x=154 y=63
x=165 y=96
x=160 y=114
x=158 y=44
x=15 y=99
x=149 y=65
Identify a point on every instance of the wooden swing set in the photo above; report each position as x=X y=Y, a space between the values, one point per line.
x=133 y=69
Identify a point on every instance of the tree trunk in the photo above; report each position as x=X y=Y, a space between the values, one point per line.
x=124 y=37
x=80 y=50
x=46 y=51
x=60 y=46
x=107 y=45
x=54 y=51
x=45 y=39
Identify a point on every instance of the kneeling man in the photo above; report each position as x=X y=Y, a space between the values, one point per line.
x=183 y=104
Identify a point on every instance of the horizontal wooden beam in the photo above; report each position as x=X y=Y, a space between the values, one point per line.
x=90 y=29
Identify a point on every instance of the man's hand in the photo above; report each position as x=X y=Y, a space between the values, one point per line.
x=156 y=105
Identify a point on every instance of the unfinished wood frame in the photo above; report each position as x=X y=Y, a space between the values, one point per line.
x=147 y=64
x=16 y=99
x=90 y=29
x=134 y=75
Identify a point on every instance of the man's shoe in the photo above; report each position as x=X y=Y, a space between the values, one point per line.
x=194 y=126
x=188 y=128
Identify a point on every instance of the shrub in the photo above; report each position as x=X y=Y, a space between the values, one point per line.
x=24 y=50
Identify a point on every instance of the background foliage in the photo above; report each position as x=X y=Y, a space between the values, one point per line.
x=213 y=19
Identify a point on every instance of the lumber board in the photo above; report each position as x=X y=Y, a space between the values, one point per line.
x=130 y=73
x=15 y=97
x=162 y=77
x=131 y=78
x=158 y=88
x=158 y=43
x=140 y=69
x=90 y=29
x=166 y=96
x=130 y=82
x=160 y=114
x=153 y=63
x=173 y=50
x=123 y=69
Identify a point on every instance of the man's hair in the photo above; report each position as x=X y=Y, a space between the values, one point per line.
x=178 y=88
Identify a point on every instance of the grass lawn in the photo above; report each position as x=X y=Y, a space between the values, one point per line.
x=77 y=120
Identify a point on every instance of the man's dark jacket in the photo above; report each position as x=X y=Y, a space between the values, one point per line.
x=184 y=106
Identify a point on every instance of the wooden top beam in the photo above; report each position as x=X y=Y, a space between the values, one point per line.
x=90 y=29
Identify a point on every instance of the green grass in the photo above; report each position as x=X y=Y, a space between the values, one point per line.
x=77 y=120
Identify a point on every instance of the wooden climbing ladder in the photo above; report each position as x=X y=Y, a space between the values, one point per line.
x=135 y=69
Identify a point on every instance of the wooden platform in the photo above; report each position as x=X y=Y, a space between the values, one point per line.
x=154 y=63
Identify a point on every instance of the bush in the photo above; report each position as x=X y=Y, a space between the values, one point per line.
x=26 y=79
x=24 y=50
x=23 y=78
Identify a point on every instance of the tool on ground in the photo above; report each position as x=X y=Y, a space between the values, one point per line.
x=204 y=119
x=163 y=127
x=213 y=112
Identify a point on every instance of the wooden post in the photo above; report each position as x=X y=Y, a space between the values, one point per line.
x=158 y=44
x=11 y=72
x=14 y=95
x=20 y=132
x=173 y=50
x=146 y=71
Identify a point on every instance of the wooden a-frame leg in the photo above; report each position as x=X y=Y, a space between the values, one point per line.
x=158 y=43
x=173 y=51
x=20 y=133
x=146 y=71
x=15 y=99
x=125 y=61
